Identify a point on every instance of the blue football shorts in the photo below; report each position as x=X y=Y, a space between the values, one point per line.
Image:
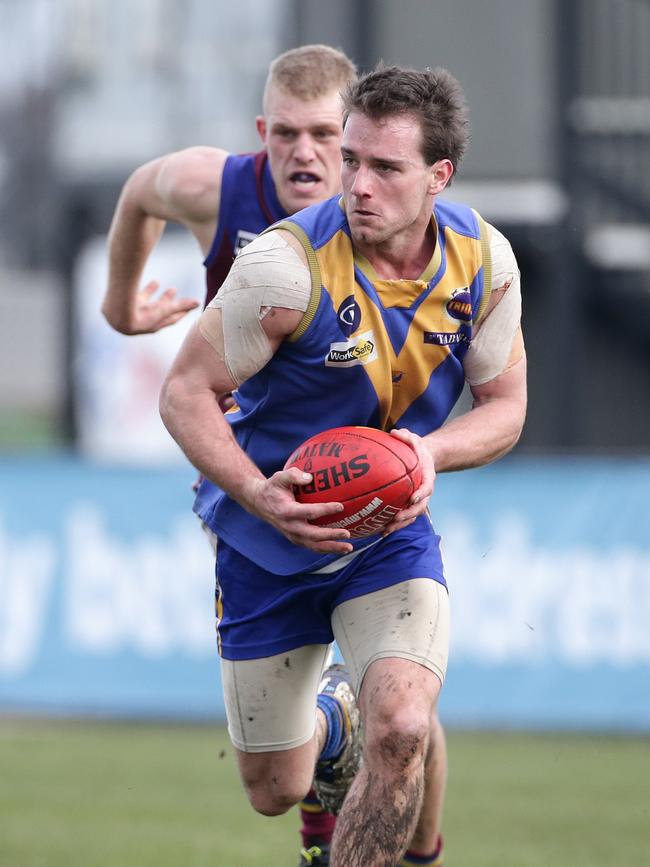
x=260 y=613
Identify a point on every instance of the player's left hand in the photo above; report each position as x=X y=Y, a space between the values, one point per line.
x=420 y=498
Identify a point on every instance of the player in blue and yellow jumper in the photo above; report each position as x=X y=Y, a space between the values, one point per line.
x=374 y=309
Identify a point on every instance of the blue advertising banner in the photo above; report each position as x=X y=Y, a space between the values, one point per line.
x=106 y=593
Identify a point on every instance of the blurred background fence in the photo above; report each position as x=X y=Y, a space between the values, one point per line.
x=105 y=582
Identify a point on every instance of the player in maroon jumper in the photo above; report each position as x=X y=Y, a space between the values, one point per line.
x=225 y=199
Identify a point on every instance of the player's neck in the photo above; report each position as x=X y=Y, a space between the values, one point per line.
x=402 y=257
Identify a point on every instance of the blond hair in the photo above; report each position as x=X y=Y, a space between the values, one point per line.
x=310 y=71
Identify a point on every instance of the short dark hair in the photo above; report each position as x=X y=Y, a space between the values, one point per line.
x=433 y=95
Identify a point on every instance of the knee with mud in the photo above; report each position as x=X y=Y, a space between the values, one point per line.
x=399 y=744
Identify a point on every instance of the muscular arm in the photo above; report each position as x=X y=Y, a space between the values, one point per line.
x=490 y=429
x=182 y=187
x=201 y=375
x=189 y=407
x=495 y=367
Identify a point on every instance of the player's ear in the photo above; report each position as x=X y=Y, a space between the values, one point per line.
x=440 y=174
x=260 y=123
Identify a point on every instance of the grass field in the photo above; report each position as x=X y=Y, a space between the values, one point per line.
x=23 y=430
x=131 y=795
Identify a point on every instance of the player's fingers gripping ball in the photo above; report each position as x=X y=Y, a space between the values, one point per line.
x=370 y=472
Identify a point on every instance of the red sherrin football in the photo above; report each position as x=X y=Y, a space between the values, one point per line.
x=372 y=473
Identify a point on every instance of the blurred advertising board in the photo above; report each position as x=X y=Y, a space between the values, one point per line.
x=117 y=378
x=106 y=593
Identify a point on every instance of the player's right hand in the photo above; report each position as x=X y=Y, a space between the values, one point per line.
x=273 y=500
x=151 y=313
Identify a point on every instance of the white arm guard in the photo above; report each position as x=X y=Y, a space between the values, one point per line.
x=267 y=273
x=491 y=345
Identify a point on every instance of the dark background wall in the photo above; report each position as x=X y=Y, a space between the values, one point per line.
x=525 y=68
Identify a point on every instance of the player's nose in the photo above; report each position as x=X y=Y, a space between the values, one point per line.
x=304 y=148
x=361 y=183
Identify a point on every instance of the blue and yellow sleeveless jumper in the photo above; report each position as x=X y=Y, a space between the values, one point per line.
x=380 y=353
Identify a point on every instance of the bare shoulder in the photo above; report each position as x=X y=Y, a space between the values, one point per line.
x=189 y=181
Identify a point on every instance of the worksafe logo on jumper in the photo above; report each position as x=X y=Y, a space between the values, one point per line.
x=348 y=316
x=361 y=349
x=459 y=306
